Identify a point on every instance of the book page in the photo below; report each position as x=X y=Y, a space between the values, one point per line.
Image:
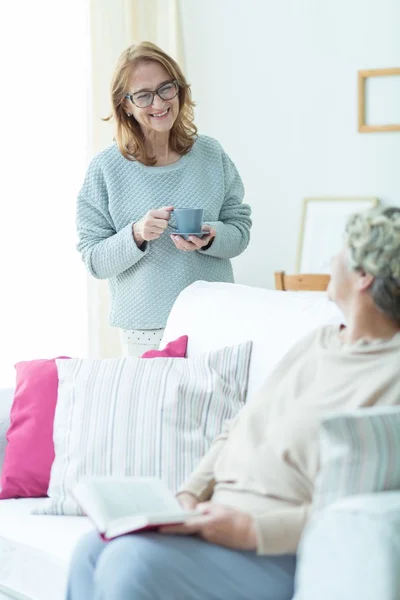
x=91 y=505
x=130 y=496
x=131 y=524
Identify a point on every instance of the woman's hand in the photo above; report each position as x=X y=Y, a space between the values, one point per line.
x=187 y=501
x=220 y=525
x=152 y=225
x=194 y=243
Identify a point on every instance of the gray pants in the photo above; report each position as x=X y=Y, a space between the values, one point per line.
x=152 y=566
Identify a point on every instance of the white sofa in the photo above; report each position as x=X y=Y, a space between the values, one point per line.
x=340 y=550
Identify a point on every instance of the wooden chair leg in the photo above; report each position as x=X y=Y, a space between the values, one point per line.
x=279 y=280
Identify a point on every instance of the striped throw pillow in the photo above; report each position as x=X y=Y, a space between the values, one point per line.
x=130 y=416
x=360 y=454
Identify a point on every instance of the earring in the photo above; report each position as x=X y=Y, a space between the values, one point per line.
x=129 y=114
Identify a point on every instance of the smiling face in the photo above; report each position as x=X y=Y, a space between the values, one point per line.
x=160 y=116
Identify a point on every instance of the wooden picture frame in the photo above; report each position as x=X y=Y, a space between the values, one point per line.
x=363 y=127
x=322 y=227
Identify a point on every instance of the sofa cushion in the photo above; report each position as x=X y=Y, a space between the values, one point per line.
x=30 y=451
x=143 y=418
x=359 y=454
x=216 y=314
x=35 y=552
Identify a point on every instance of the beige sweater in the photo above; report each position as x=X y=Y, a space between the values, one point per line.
x=266 y=460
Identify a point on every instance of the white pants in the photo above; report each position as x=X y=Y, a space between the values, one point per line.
x=135 y=343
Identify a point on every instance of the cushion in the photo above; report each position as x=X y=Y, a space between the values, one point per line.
x=351 y=550
x=30 y=450
x=360 y=454
x=220 y=314
x=141 y=418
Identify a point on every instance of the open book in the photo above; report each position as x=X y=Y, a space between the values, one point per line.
x=120 y=505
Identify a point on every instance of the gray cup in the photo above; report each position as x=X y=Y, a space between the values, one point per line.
x=189 y=220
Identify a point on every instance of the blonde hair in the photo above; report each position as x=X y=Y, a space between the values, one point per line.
x=128 y=133
x=373 y=240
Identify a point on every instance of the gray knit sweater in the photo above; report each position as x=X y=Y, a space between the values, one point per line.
x=144 y=283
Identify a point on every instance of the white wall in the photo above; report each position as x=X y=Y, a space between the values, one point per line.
x=276 y=83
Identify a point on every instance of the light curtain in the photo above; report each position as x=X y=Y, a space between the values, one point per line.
x=115 y=24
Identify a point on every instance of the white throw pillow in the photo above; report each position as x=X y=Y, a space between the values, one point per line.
x=360 y=454
x=351 y=550
x=140 y=417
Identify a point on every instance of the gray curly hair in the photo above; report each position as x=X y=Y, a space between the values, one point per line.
x=373 y=239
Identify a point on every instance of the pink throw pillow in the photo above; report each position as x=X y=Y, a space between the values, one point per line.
x=29 y=452
x=175 y=349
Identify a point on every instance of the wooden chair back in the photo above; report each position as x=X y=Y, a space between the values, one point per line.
x=301 y=283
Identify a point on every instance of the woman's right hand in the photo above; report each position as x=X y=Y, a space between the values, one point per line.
x=152 y=225
x=187 y=501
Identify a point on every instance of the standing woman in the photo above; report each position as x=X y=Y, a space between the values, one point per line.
x=158 y=163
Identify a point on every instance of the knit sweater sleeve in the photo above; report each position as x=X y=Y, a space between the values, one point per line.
x=234 y=223
x=105 y=251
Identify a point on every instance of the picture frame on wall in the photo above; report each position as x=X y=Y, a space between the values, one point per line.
x=322 y=227
x=378 y=100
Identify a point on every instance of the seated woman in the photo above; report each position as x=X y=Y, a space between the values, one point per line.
x=256 y=482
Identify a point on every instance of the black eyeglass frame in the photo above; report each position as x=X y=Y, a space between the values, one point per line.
x=154 y=93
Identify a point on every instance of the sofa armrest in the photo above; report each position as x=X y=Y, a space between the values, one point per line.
x=351 y=549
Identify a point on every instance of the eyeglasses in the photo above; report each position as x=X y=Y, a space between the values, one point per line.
x=166 y=91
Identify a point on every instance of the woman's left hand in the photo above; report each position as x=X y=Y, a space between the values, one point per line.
x=194 y=243
x=220 y=525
